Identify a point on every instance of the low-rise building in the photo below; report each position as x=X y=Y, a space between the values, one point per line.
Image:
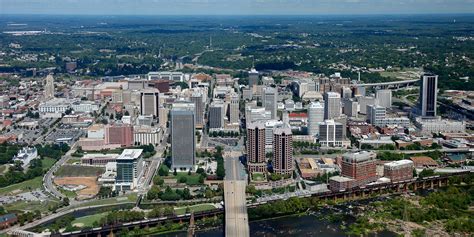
x=26 y=155
x=98 y=159
x=424 y=162
x=398 y=170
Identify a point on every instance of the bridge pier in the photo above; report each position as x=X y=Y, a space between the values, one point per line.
x=432 y=184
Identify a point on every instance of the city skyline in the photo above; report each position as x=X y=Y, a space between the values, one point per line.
x=240 y=7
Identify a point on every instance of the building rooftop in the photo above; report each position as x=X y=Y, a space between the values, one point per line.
x=340 y=179
x=130 y=154
x=398 y=163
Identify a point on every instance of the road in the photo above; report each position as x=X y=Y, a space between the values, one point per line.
x=49 y=176
x=236 y=218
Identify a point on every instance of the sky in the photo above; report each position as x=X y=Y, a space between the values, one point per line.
x=234 y=7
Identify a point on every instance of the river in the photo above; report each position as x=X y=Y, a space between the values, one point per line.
x=305 y=225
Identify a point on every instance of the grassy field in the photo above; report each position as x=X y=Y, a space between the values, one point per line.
x=195 y=208
x=77 y=171
x=69 y=194
x=192 y=179
x=23 y=186
x=73 y=160
x=30 y=206
x=47 y=163
x=89 y=220
x=258 y=177
x=117 y=200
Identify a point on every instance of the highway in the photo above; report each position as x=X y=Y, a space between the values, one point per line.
x=236 y=218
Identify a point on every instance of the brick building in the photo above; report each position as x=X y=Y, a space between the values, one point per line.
x=360 y=166
x=398 y=170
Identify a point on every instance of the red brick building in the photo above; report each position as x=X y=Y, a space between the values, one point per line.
x=256 y=147
x=119 y=134
x=7 y=220
x=360 y=166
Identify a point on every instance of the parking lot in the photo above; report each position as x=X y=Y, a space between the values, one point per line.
x=35 y=195
x=65 y=135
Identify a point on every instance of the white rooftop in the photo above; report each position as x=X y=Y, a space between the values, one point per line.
x=130 y=154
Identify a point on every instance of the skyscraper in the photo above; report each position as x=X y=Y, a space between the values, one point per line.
x=315 y=116
x=149 y=102
x=283 y=151
x=49 y=87
x=234 y=108
x=428 y=95
x=253 y=78
x=384 y=98
x=350 y=108
x=183 y=144
x=197 y=99
x=216 y=115
x=270 y=101
x=256 y=147
x=332 y=105
x=129 y=169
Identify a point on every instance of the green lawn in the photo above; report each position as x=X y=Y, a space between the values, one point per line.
x=23 y=186
x=78 y=171
x=116 y=200
x=258 y=177
x=47 y=163
x=192 y=179
x=69 y=194
x=89 y=220
x=195 y=208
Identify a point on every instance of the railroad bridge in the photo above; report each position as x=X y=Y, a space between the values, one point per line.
x=367 y=191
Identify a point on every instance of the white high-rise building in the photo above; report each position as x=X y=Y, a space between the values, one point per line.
x=384 y=98
x=331 y=134
x=332 y=105
x=315 y=116
x=364 y=101
x=49 y=87
x=270 y=101
x=375 y=114
x=234 y=108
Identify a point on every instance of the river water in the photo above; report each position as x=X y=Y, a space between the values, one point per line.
x=306 y=225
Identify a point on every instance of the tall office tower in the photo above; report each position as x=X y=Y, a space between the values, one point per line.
x=376 y=114
x=270 y=101
x=360 y=166
x=315 y=116
x=384 y=98
x=343 y=121
x=283 y=151
x=149 y=102
x=428 y=95
x=129 y=169
x=256 y=147
x=364 y=101
x=253 y=78
x=119 y=134
x=183 y=143
x=216 y=115
x=350 y=108
x=332 y=105
x=234 y=112
x=198 y=100
x=331 y=134
x=49 y=87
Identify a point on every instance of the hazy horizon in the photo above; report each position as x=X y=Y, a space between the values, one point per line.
x=235 y=7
